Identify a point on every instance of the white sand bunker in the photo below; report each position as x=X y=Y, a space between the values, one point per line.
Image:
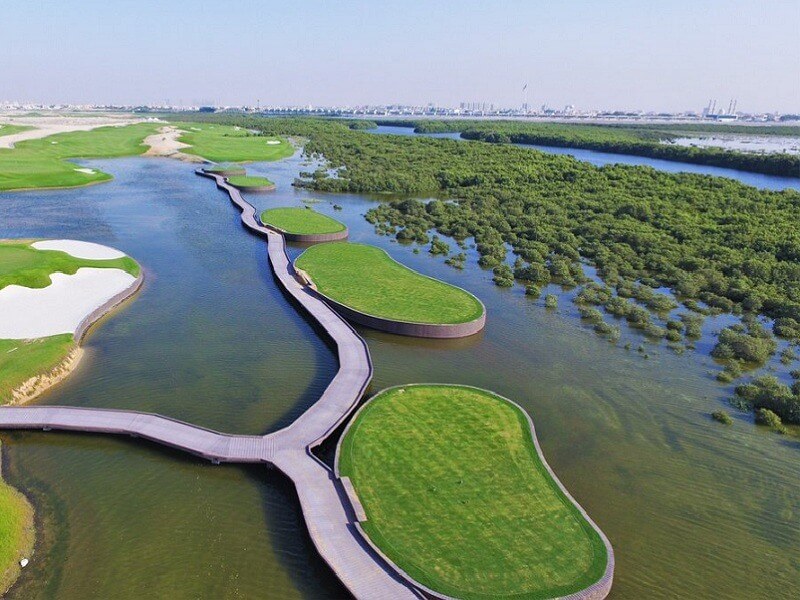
x=87 y=171
x=87 y=250
x=273 y=142
x=60 y=307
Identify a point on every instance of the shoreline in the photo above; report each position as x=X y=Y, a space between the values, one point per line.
x=38 y=384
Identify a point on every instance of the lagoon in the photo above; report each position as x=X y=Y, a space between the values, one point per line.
x=693 y=509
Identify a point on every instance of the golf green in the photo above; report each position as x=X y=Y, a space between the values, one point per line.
x=457 y=495
x=250 y=182
x=367 y=279
x=302 y=221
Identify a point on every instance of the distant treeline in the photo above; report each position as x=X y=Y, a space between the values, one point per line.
x=651 y=141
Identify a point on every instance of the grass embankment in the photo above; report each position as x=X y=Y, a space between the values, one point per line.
x=301 y=221
x=222 y=143
x=457 y=496
x=367 y=279
x=43 y=163
x=249 y=181
x=16 y=533
x=20 y=360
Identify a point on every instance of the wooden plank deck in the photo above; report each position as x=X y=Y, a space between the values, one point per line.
x=326 y=508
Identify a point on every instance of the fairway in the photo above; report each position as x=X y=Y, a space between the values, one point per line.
x=23 y=265
x=221 y=143
x=458 y=497
x=367 y=279
x=300 y=221
x=43 y=163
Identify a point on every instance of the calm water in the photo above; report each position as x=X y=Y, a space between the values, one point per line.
x=694 y=510
x=767 y=182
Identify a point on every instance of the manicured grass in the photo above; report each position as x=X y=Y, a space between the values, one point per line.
x=22 y=359
x=231 y=169
x=43 y=163
x=21 y=264
x=9 y=129
x=221 y=143
x=301 y=221
x=246 y=181
x=367 y=279
x=16 y=532
x=457 y=496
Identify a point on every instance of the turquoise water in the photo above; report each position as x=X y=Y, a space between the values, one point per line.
x=693 y=509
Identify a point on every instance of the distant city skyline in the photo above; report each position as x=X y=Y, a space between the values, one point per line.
x=613 y=55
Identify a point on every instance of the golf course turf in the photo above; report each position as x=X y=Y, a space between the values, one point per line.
x=43 y=163
x=23 y=265
x=249 y=182
x=226 y=170
x=367 y=279
x=222 y=143
x=458 y=497
x=304 y=221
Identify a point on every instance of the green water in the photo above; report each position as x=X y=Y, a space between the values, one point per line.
x=693 y=509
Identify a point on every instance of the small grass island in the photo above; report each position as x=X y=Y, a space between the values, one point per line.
x=472 y=511
x=301 y=221
x=366 y=279
x=225 y=170
x=251 y=183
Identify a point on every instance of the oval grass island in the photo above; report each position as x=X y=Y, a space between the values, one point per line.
x=251 y=183
x=304 y=225
x=453 y=490
x=226 y=170
x=369 y=287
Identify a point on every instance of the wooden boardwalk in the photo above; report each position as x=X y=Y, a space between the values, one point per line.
x=328 y=514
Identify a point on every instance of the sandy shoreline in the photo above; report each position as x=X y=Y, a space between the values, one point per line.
x=38 y=384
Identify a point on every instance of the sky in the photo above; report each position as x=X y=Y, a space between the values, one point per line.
x=669 y=55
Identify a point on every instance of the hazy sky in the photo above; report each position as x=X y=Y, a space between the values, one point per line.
x=665 y=55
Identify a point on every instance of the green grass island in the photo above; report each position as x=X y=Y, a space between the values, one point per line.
x=472 y=511
x=304 y=222
x=365 y=279
x=225 y=170
x=251 y=183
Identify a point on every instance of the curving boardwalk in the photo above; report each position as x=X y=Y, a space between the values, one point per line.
x=327 y=510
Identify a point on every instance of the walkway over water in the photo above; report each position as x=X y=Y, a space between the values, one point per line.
x=327 y=510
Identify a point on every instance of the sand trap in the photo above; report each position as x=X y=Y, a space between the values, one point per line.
x=87 y=171
x=165 y=143
x=88 y=250
x=273 y=142
x=60 y=307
